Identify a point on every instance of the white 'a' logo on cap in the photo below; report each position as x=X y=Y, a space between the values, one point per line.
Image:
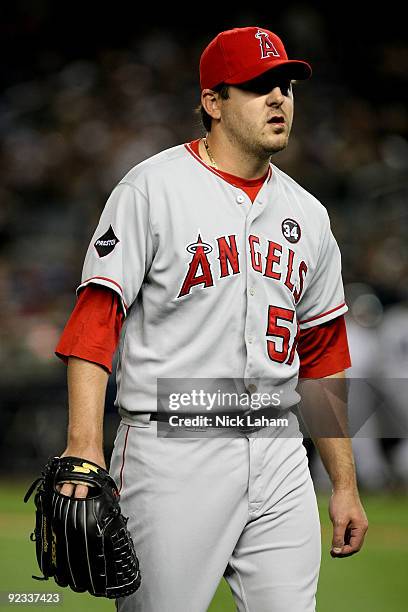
x=267 y=46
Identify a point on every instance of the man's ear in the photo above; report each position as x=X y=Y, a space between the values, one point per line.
x=210 y=101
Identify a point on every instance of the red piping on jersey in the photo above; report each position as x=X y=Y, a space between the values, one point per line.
x=123 y=459
x=106 y=279
x=213 y=170
x=323 y=314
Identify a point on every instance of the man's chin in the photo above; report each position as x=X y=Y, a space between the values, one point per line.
x=277 y=146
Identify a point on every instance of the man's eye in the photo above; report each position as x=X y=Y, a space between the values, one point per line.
x=286 y=88
x=262 y=85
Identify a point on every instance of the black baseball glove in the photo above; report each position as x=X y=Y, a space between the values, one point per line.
x=83 y=543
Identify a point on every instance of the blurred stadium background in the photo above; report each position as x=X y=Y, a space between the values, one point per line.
x=89 y=91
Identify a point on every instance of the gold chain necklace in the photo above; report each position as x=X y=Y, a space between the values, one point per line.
x=210 y=157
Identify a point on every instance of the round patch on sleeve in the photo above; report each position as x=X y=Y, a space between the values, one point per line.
x=291 y=230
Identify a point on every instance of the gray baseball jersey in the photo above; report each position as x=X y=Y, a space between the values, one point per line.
x=212 y=284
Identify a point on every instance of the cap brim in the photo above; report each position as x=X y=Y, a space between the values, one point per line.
x=296 y=69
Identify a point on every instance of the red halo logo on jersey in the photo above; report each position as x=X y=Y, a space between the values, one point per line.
x=291 y=230
x=199 y=271
x=267 y=46
x=192 y=248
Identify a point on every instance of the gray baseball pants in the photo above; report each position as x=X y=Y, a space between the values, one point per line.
x=202 y=508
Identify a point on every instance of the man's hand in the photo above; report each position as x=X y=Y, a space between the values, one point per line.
x=78 y=490
x=349 y=522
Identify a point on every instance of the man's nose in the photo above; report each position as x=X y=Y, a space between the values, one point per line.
x=275 y=97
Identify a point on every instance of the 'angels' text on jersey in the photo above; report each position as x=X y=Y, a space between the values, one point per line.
x=277 y=264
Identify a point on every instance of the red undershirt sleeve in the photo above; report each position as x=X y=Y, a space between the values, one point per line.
x=323 y=349
x=93 y=329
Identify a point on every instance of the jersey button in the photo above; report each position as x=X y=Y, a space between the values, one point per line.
x=250 y=339
x=252 y=291
x=260 y=202
x=240 y=199
x=252 y=388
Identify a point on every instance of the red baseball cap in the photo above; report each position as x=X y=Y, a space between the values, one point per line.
x=239 y=55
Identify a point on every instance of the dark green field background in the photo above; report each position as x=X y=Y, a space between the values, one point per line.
x=376 y=580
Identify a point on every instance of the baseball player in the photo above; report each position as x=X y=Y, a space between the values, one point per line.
x=209 y=262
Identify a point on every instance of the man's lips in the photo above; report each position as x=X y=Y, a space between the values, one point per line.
x=278 y=119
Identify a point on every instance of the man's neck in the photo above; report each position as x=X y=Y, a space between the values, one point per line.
x=231 y=159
